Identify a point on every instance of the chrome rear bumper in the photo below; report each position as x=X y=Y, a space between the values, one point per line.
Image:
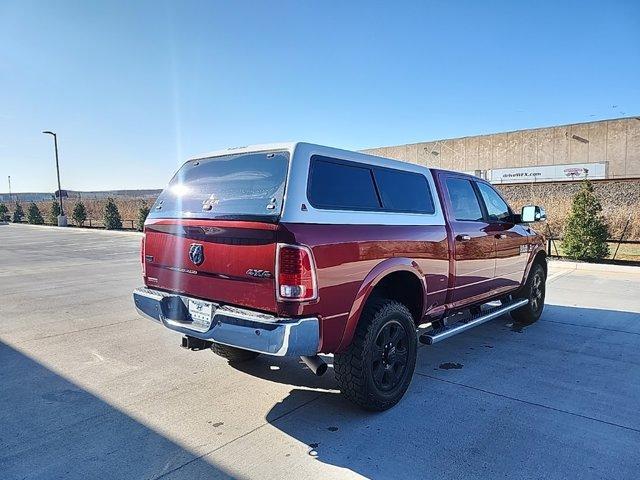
x=232 y=326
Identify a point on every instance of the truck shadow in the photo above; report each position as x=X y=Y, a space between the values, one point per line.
x=293 y=371
x=53 y=428
x=444 y=428
x=288 y=371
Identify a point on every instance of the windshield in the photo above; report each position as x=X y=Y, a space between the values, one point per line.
x=241 y=186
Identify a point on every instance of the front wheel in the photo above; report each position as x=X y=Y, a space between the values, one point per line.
x=534 y=290
x=376 y=369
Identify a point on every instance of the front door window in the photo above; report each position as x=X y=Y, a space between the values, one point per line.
x=497 y=209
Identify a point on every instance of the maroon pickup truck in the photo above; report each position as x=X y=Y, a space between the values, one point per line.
x=299 y=249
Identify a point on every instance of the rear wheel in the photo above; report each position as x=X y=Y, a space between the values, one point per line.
x=233 y=354
x=534 y=291
x=376 y=369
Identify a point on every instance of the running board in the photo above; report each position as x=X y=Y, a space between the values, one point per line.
x=470 y=322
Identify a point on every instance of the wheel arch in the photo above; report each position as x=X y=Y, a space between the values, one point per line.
x=539 y=255
x=398 y=278
x=541 y=258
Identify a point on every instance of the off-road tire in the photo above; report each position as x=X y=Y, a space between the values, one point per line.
x=534 y=290
x=354 y=368
x=233 y=354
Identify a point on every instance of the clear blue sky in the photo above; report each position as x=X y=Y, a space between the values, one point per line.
x=133 y=88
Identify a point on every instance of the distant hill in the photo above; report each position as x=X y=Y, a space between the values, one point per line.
x=43 y=196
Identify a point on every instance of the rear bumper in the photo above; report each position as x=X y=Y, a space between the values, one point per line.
x=232 y=326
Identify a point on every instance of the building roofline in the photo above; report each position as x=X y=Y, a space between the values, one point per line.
x=631 y=117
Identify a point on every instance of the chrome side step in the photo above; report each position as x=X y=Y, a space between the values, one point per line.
x=440 y=334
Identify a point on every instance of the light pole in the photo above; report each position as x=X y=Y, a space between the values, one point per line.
x=62 y=220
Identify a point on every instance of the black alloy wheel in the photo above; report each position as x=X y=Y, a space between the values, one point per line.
x=536 y=298
x=375 y=371
x=534 y=291
x=389 y=356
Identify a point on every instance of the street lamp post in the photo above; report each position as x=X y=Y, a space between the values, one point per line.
x=62 y=219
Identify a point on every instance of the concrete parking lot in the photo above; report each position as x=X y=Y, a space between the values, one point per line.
x=90 y=390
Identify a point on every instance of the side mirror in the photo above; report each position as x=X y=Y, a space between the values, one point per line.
x=533 y=213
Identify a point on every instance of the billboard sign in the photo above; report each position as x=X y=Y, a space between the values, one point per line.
x=547 y=173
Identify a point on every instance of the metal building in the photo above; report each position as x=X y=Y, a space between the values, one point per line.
x=596 y=150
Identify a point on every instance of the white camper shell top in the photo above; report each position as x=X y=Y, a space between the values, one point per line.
x=296 y=205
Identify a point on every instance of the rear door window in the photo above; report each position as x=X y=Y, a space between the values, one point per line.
x=337 y=185
x=463 y=200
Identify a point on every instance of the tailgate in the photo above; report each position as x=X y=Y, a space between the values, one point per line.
x=230 y=262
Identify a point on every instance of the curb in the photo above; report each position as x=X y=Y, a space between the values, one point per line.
x=593 y=267
x=76 y=229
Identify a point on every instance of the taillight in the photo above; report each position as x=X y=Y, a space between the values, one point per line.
x=295 y=274
x=142 y=257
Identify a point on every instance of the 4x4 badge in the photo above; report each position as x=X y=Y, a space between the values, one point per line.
x=259 y=273
x=196 y=253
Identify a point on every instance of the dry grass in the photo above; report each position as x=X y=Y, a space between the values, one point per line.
x=558 y=210
x=620 y=203
x=629 y=252
x=128 y=208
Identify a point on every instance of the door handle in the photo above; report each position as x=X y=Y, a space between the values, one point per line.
x=500 y=235
x=463 y=237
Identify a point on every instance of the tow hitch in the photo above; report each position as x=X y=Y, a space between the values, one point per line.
x=195 y=344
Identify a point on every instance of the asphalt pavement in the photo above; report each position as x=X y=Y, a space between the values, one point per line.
x=88 y=389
